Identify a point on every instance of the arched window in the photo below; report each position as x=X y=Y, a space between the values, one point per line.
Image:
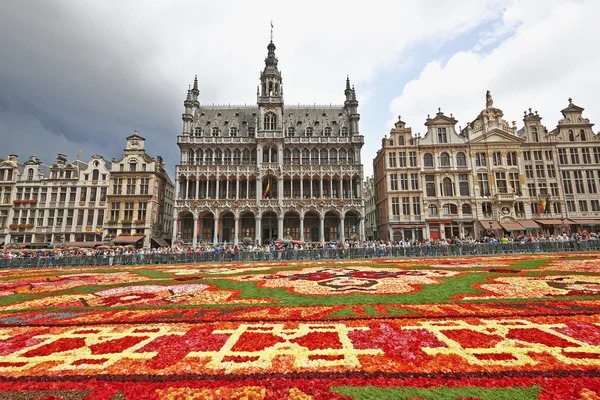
x=270 y=121
x=305 y=157
x=218 y=156
x=296 y=156
x=208 y=159
x=246 y=156
x=582 y=135
x=450 y=209
x=199 y=156
x=236 y=156
x=190 y=158
x=287 y=156
x=444 y=160
x=274 y=154
x=327 y=131
x=427 y=160
x=447 y=187
x=463 y=188
x=344 y=131
x=265 y=154
x=571 y=136
x=95 y=175
x=30 y=174
x=332 y=155
x=233 y=131
x=534 y=134
x=350 y=157
x=227 y=156
x=291 y=131
x=466 y=209
x=314 y=156
x=215 y=131
x=401 y=140
x=461 y=159
x=324 y=157
x=342 y=156
x=309 y=131
x=432 y=209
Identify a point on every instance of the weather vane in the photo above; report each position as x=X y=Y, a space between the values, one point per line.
x=271 y=30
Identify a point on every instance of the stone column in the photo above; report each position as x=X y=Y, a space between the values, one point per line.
x=236 y=226
x=302 y=188
x=280 y=227
x=217 y=188
x=361 y=229
x=331 y=188
x=258 y=188
x=258 y=229
x=311 y=187
x=341 y=193
x=342 y=236
x=197 y=189
x=442 y=231
x=187 y=188
x=237 y=188
x=207 y=187
x=280 y=188
x=322 y=232
x=216 y=230
x=227 y=189
x=302 y=228
x=195 y=235
x=175 y=226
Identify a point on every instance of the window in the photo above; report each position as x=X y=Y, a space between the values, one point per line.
x=571 y=206
x=566 y=178
x=327 y=131
x=392 y=160
x=83 y=194
x=95 y=174
x=450 y=209
x=582 y=135
x=144 y=184
x=595 y=205
x=402 y=160
x=548 y=155
x=543 y=188
x=344 y=131
x=540 y=171
x=412 y=158
x=130 y=185
x=511 y=158
x=432 y=208
x=597 y=155
x=444 y=160
x=579 y=187
x=100 y=219
x=554 y=189
x=93 y=194
x=586 y=156
x=128 y=215
x=534 y=134
x=574 y=156
x=591 y=182
x=416 y=206
x=90 y=217
x=142 y=207
x=467 y=209
x=501 y=182
x=527 y=155
x=461 y=159
x=132 y=166
x=251 y=131
x=442 y=135
x=404 y=181
x=497 y=158
x=406 y=206
x=430 y=185
x=309 y=131
x=215 y=131
x=115 y=207
x=117 y=185
x=394 y=182
x=401 y=140
x=414 y=181
x=447 y=187
x=551 y=171
x=486 y=208
x=395 y=206
x=513 y=181
x=571 y=136
x=484 y=185
x=583 y=206
x=198 y=131
x=537 y=155
x=270 y=121
x=427 y=160
x=480 y=160
x=562 y=157
x=233 y=131
x=463 y=184
x=291 y=131
x=529 y=171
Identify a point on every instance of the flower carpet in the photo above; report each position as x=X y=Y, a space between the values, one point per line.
x=501 y=327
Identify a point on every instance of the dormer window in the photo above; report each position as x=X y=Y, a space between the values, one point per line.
x=132 y=166
x=344 y=131
x=233 y=132
x=291 y=131
x=571 y=136
x=327 y=131
x=198 y=131
x=582 y=135
x=534 y=134
x=442 y=135
x=401 y=140
x=215 y=131
x=309 y=131
x=30 y=174
x=95 y=175
x=251 y=131
x=270 y=121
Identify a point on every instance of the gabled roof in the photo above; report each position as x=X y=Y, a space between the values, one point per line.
x=497 y=135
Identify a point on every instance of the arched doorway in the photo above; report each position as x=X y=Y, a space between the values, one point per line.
x=227 y=227
x=291 y=225
x=207 y=226
x=247 y=226
x=269 y=226
x=311 y=227
x=351 y=225
x=332 y=226
x=186 y=229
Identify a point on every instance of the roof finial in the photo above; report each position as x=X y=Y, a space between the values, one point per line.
x=570 y=100
x=196 y=82
x=135 y=132
x=347 y=82
x=271 y=31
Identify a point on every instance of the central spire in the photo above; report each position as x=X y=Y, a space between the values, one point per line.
x=270 y=78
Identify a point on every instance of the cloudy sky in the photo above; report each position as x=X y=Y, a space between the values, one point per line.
x=82 y=75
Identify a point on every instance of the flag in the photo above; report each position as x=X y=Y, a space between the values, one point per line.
x=266 y=193
x=546 y=206
x=541 y=207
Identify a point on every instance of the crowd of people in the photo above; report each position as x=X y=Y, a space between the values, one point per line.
x=287 y=250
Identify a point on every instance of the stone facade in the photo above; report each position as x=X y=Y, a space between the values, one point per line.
x=371 y=231
x=270 y=171
x=140 y=198
x=9 y=173
x=489 y=178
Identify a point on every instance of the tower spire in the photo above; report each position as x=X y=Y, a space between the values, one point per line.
x=348 y=91
x=271 y=31
x=195 y=83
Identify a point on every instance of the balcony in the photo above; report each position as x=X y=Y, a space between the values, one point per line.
x=506 y=196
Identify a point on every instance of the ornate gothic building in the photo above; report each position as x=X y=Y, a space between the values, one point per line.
x=270 y=171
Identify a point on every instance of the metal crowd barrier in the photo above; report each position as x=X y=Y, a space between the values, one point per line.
x=471 y=249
